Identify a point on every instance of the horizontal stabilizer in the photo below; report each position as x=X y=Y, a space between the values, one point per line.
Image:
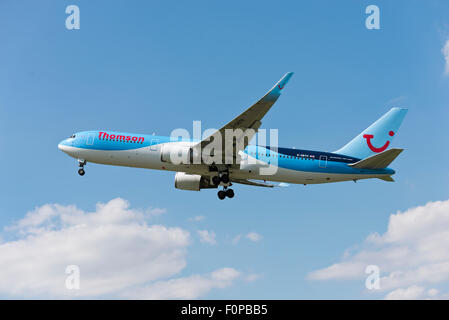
x=387 y=178
x=378 y=161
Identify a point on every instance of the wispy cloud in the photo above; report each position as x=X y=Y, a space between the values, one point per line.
x=252 y=277
x=197 y=218
x=411 y=293
x=445 y=52
x=191 y=287
x=252 y=236
x=156 y=211
x=396 y=101
x=207 y=236
x=236 y=239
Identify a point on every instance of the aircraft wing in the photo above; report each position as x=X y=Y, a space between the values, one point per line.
x=249 y=122
x=252 y=183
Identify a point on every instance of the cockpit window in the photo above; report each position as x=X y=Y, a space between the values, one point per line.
x=72 y=136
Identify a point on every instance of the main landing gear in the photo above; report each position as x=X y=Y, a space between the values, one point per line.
x=223 y=178
x=81 y=164
x=225 y=193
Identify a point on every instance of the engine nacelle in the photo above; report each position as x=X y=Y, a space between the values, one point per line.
x=193 y=182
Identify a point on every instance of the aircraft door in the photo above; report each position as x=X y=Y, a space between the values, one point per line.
x=154 y=145
x=323 y=161
x=90 y=139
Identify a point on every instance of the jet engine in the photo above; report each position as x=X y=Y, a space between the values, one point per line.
x=193 y=182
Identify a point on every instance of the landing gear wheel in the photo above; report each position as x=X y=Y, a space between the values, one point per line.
x=216 y=180
x=81 y=172
x=230 y=193
x=225 y=178
x=221 y=195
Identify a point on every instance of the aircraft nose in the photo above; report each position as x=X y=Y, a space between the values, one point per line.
x=63 y=145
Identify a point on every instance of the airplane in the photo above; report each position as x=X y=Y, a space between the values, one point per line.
x=233 y=160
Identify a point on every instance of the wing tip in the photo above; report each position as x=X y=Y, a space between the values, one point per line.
x=281 y=83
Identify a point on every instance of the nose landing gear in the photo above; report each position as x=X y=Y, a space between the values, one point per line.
x=81 y=164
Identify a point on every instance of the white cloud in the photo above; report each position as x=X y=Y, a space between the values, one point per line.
x=341 y=270
x=445 y=52
x=186 y=288
x=254 y=236
x=397 y=101
x=252 y=277
x=411 y=254
x=156 y=211
x=413 y=292
x=236 y=239
x=115 y=248
x=197 y=218
x=207 y=236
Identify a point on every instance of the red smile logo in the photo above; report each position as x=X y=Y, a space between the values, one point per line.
x=280 y=88
x=368 y=138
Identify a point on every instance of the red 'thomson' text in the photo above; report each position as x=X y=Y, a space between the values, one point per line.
x=120 y=137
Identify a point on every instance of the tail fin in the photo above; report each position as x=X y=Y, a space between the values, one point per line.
x=377 y=137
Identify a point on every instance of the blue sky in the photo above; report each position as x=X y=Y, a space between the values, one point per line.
x=159 y=65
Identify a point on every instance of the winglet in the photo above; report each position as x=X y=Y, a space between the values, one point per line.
x=275 y=92
x=251 y=118
x=277 y=89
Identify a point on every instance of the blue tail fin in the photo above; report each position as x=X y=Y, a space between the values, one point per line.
x=377 y=137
